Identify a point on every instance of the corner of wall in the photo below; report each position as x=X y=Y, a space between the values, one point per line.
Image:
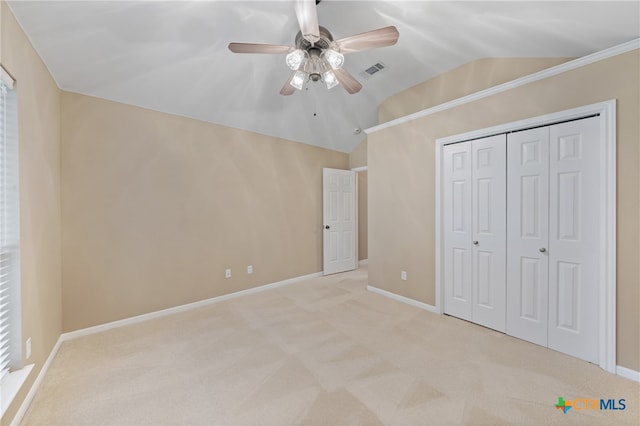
x=358 y=157
x=40 y=202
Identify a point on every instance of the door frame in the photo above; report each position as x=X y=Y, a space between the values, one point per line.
x=358 y=170
x=607 y=179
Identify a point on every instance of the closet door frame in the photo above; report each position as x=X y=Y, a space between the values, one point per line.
x=607 y=181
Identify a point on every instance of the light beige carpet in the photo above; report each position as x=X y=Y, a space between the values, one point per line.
x=320 y=352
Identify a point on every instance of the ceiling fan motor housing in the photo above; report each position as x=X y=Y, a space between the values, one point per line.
x=324 y=43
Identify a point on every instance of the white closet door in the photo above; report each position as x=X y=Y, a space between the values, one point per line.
x=489 y=231
x=528 y=230
x=457 y=230
x=574 y=206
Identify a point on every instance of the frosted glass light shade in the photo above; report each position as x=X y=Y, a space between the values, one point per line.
x=295 y=59
x=334 y=58
x=330 y=79
x=298 y=80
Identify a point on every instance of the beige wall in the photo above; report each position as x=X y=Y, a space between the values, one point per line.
x=363 y=216
x=402 y=194
x=39 y=151
x=156 y=207
x=461 y=81
x=358 y=157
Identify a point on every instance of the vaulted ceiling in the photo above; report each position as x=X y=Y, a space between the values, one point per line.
x=172 y=56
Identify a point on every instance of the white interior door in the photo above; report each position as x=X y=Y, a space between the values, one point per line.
x=574 y=206
x=339 y=215
x=488 y=171
x=457 y=230
x=528 y=231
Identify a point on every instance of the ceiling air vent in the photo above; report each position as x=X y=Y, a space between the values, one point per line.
x=373 y=70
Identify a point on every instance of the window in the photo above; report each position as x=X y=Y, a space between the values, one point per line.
x=10 y=346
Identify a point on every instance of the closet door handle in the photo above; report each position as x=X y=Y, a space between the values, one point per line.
x=475 y=243
x=542 y=250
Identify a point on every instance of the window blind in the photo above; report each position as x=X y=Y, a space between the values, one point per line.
x=9 y=230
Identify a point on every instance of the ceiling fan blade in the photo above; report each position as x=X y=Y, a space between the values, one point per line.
x=288 y=89
x=349 y=83
x=258 y=48
x=307 y=15
x=387 y=36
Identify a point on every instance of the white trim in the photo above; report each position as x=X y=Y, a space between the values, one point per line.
x=540 y=75
x=439 y=301
x=10 y=386
x=628 y=373
x=357 y=217
x=6 y=77
x=607 y=306
x=358 y=170
x=402 y=299
x=134 y=320
x=170 y=311
x=17 y=419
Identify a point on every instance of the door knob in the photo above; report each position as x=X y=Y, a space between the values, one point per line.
x=327 y=227
x=475 y=243
x=542 y=250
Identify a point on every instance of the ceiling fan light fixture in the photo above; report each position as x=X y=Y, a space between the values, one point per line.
x=295 y=59
x=334 y=58
x=330 y=79
x=298 y=80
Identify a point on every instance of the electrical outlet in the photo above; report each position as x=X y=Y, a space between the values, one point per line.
x=403 y=275
x=28 y=348
x=250 y=269
x=227 y=273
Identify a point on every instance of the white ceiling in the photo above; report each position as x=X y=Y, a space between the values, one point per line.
x=172 y=56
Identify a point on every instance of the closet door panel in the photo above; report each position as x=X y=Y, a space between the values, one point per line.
x=488 y=159
x=573 y=238
x=527 y=234
x=457 y=230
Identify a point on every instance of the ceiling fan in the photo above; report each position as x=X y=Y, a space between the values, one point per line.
x=316 y=55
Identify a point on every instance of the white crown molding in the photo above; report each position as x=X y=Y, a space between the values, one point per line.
x=540 y=75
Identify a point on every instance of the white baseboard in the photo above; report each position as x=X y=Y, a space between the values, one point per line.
x=403 y=299
x=628 y=373
x=363 y=262
x=11 y=384
x=134 y=320
x=170 y=311
x=17 y=419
